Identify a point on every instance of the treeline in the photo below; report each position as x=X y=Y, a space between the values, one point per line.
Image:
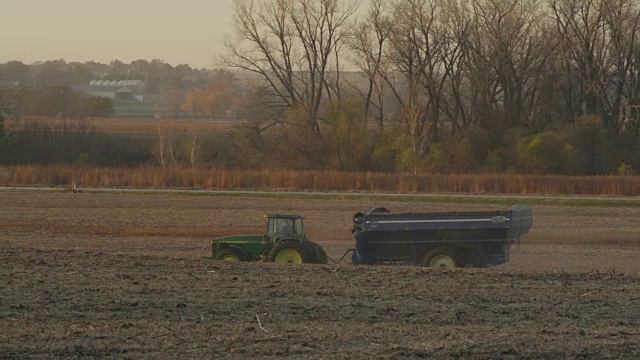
x=436 y=86
x=55 y=101
x=72 y=142
x=442 y=86
x=42 y=141
x=157 y=74
x=177 y=91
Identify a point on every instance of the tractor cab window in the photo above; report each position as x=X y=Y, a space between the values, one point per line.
x=297 y=227
x=284 y=226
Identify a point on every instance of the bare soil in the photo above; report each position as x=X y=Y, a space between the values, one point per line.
x=92 y=275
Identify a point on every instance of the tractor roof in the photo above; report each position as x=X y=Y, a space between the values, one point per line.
x=284 y=216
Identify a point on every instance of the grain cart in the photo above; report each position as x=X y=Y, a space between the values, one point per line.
x=283 y=242
x=438 y=239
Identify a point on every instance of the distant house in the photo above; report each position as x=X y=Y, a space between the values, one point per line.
x=128 y=90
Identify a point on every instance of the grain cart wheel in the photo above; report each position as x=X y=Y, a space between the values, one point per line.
x=230 y=254
x=290 y=252
x=442 y=257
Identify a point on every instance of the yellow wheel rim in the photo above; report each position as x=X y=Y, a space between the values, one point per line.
x=288 y=256
x=230 y=258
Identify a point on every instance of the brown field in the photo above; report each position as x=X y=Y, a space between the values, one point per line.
x=138 y=126
x=88 y=275
x=151 y=125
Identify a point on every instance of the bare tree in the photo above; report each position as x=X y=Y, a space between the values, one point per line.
x=165 y=148
x=623 y=80
x=631 y=109
x=413 y=49
x=454 y=101
x=368 y=44
x=507 y=52
x=419 y=45
x=290 y=45
x=192 y=145
x=601 y=42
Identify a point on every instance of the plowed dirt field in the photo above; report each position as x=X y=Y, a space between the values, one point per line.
x=92 y=275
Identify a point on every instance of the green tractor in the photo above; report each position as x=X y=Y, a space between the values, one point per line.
x=284 y=242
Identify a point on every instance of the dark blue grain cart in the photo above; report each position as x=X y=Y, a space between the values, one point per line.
x=447 y=239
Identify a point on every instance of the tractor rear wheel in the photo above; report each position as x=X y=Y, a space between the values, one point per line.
x=316 y=252
x=443 y=257
x=230 y=254
x=291 y=253
x=321 y=256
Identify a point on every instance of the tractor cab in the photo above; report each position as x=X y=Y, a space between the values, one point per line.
x=284 y=226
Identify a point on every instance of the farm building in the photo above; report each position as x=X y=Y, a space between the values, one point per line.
x=116 y=90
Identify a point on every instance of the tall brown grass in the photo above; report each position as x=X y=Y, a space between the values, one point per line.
x=157 y=178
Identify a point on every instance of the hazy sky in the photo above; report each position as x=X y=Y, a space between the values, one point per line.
x=178 y=32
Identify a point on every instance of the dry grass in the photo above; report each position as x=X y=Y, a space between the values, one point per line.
x=157 y=178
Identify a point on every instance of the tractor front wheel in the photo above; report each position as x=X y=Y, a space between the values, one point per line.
x=289 y=253
x=230 y=254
